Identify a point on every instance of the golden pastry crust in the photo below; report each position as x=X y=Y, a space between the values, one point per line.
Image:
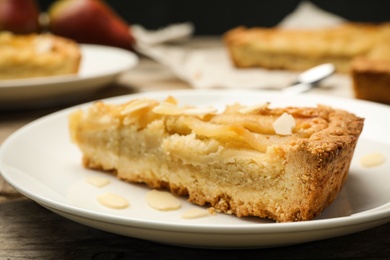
x=276 y=48
x=371 y=79
x=233 y=161
x=37 y=55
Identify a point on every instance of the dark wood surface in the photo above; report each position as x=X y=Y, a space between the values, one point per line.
x=29 y=231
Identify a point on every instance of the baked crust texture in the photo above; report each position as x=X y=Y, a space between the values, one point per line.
x=233 y=161
x=294 y=49
x=371 y=79
x=37 y=55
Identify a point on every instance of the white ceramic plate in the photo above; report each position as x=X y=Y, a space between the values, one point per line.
x=100 y=65
x=40 y=161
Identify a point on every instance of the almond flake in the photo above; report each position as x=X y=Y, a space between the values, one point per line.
x=98 y=181
x=200 y=111
x=43 y=45
x=137 y=105
x=112 y=200
x=162 y=200
x=284 y=124
x=250 y=109
x=195 y=213
x=372 y=159
x=166 y=108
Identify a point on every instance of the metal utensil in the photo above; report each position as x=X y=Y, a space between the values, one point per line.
x=309 y=79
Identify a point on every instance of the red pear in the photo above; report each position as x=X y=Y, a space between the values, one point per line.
x=19 y=16
x=89 y=21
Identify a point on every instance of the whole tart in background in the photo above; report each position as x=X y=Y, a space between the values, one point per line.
x=37 y=55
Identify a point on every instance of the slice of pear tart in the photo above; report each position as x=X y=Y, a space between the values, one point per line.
x=286 y=164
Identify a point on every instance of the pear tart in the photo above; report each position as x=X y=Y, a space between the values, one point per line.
x=37 y=55
x=301 y=49
x=286 y=164
x=371 y=79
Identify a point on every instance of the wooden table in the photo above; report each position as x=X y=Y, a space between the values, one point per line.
x=29 y=231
